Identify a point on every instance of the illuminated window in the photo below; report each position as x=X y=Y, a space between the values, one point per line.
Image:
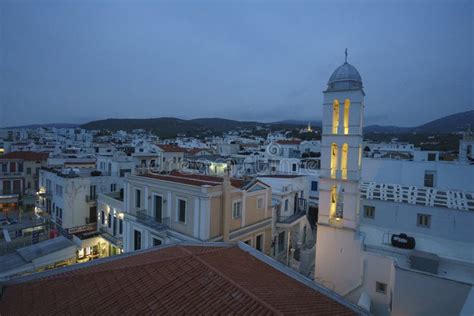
x=332 y=209
x=335 y=116
x=334 y=153
x=344 y=161
x=347 y=105
x=360 y=156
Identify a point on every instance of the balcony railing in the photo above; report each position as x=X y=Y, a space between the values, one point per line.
x=91 y=198
x=117 y=241
x=155 y=223
x=291 y=218
x=11 y=174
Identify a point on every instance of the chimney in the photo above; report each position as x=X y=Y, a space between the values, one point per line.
x=226 y=205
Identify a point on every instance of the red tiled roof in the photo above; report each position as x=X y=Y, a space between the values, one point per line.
x=171 y=148
x=289 y=142
x=25 y=155
x=79 y=162
x=183 y=180
x=283 y=176
x=195 y=179
x=173 y=280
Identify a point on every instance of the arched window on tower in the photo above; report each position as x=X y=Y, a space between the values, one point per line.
x=332 y=207
x=347 y=105
x=334 y=154
x=345 y=149
x=335 y=116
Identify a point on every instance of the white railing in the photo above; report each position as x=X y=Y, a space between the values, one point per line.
x=457 y=200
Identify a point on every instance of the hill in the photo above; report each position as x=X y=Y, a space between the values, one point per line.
x=449 y=124
x=170 y=126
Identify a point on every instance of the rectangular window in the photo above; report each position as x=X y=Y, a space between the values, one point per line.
x=156 y=242
x=16 y=186
x=424 y=220
x=431 y=157
x=381 y=287
x=281 y=242
x=4 y=167
x=294 y=167
x=109 y=220
x=28 y=170
x=260 y=203
x=314 y=185
x=120 y=226
x=92 y=192
x=20 y=167
x=182 y=211
x=59 y=190
x=236 y=209
x=369 y=211
x=429 y=178
x=286 y=205
x=137 y=240
x=113 y=187
x=102 y=217
x=259 y=243
x=158 y=206
x=138 y=198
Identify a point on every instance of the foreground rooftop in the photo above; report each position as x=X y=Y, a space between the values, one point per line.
x=193 y=279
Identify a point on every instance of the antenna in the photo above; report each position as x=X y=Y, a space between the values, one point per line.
x=346 y=55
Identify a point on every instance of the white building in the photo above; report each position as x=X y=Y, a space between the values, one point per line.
x=466 y=148
x=291 y=228
x=70 y=196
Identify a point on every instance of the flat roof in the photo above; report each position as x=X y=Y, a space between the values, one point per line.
x=27 y=254
x=456 y=257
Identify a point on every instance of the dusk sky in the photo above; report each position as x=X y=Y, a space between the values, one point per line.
x=76 y=61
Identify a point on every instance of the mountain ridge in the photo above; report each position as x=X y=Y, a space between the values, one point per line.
x=172 y=126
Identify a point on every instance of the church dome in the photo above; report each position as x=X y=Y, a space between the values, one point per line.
x=345 y=77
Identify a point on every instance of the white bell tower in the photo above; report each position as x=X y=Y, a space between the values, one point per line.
x=337 y=245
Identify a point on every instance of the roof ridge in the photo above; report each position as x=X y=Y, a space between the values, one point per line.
x=191 y=178
x=241 y=288
x=97 y=269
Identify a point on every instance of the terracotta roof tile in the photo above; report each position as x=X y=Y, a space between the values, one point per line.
x=172 y=148
x=25 y=155
x=195 y=179
x=173 y=280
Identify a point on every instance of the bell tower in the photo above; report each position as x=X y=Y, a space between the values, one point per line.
x=341 y=158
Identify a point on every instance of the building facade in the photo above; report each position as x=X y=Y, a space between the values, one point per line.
x=165 y=208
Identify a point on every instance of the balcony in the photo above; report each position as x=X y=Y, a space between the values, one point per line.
x=117 y=241
x=152 y=222
x=291 y=219
x=7 y=174
x=91 y=198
